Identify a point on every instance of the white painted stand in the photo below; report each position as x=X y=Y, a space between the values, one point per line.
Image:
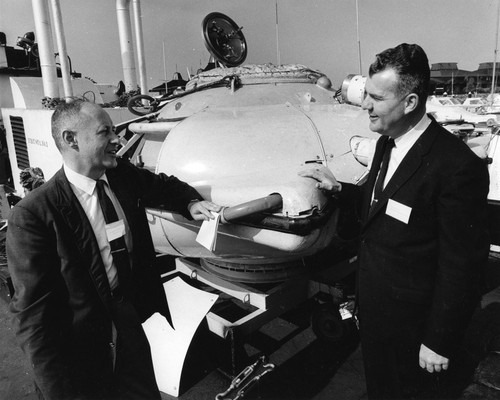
x=189 y=305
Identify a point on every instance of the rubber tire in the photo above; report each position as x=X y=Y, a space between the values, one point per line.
x=327 y=323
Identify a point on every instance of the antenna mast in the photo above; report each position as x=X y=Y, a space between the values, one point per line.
x=277 y=37
x=357 y=36
x=495 y=58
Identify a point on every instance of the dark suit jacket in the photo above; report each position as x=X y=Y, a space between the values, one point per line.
x=62 y=300
x=425 y=272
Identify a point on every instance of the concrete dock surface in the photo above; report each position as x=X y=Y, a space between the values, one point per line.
x=306 y=367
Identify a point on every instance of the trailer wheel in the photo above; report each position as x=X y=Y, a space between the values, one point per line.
x=326 y=322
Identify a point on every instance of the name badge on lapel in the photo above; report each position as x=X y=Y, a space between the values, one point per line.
x=114 y=230
x=398 y=211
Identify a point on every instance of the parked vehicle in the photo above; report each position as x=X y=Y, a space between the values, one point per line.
x=475 y=104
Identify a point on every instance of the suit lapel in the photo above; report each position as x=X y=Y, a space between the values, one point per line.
x=74 y=215
x=409 y=165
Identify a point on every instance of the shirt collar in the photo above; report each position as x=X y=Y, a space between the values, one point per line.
x=82 y=182
x=413 y=134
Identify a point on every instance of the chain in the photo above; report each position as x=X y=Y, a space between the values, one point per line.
x=246 y=379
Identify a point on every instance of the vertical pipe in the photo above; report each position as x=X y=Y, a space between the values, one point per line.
x=45 y=48
x=61 y=46
x=141 y=56
x=126 y=45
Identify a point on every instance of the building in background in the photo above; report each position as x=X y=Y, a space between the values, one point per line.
x=448 y=78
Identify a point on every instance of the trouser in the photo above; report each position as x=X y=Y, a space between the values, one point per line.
x=392 y=372
x=134 y=374
x=391 y=349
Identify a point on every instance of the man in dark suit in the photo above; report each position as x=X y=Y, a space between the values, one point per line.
x=79 y=300
x=423 y=241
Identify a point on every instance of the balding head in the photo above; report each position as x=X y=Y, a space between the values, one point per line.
x=65 y=117
x=84 y=134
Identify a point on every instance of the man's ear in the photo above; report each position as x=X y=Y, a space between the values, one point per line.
x=69 y=137
x=411 y=103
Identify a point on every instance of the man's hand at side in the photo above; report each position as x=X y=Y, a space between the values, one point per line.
x=432 y=361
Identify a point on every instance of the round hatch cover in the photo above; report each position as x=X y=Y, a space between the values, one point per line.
x=224 y=39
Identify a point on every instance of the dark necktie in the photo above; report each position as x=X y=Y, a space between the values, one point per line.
x=379 y=185
x=118 y=247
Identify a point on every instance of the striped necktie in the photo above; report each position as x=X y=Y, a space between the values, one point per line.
x=119 y=249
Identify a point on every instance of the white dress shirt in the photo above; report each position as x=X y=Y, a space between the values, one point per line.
x=403 y=144
x=84 y=189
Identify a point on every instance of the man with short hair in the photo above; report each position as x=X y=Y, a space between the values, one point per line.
x=81 y=258
x=424 y=240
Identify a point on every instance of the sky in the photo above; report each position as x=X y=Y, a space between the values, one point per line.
x=320 y=34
